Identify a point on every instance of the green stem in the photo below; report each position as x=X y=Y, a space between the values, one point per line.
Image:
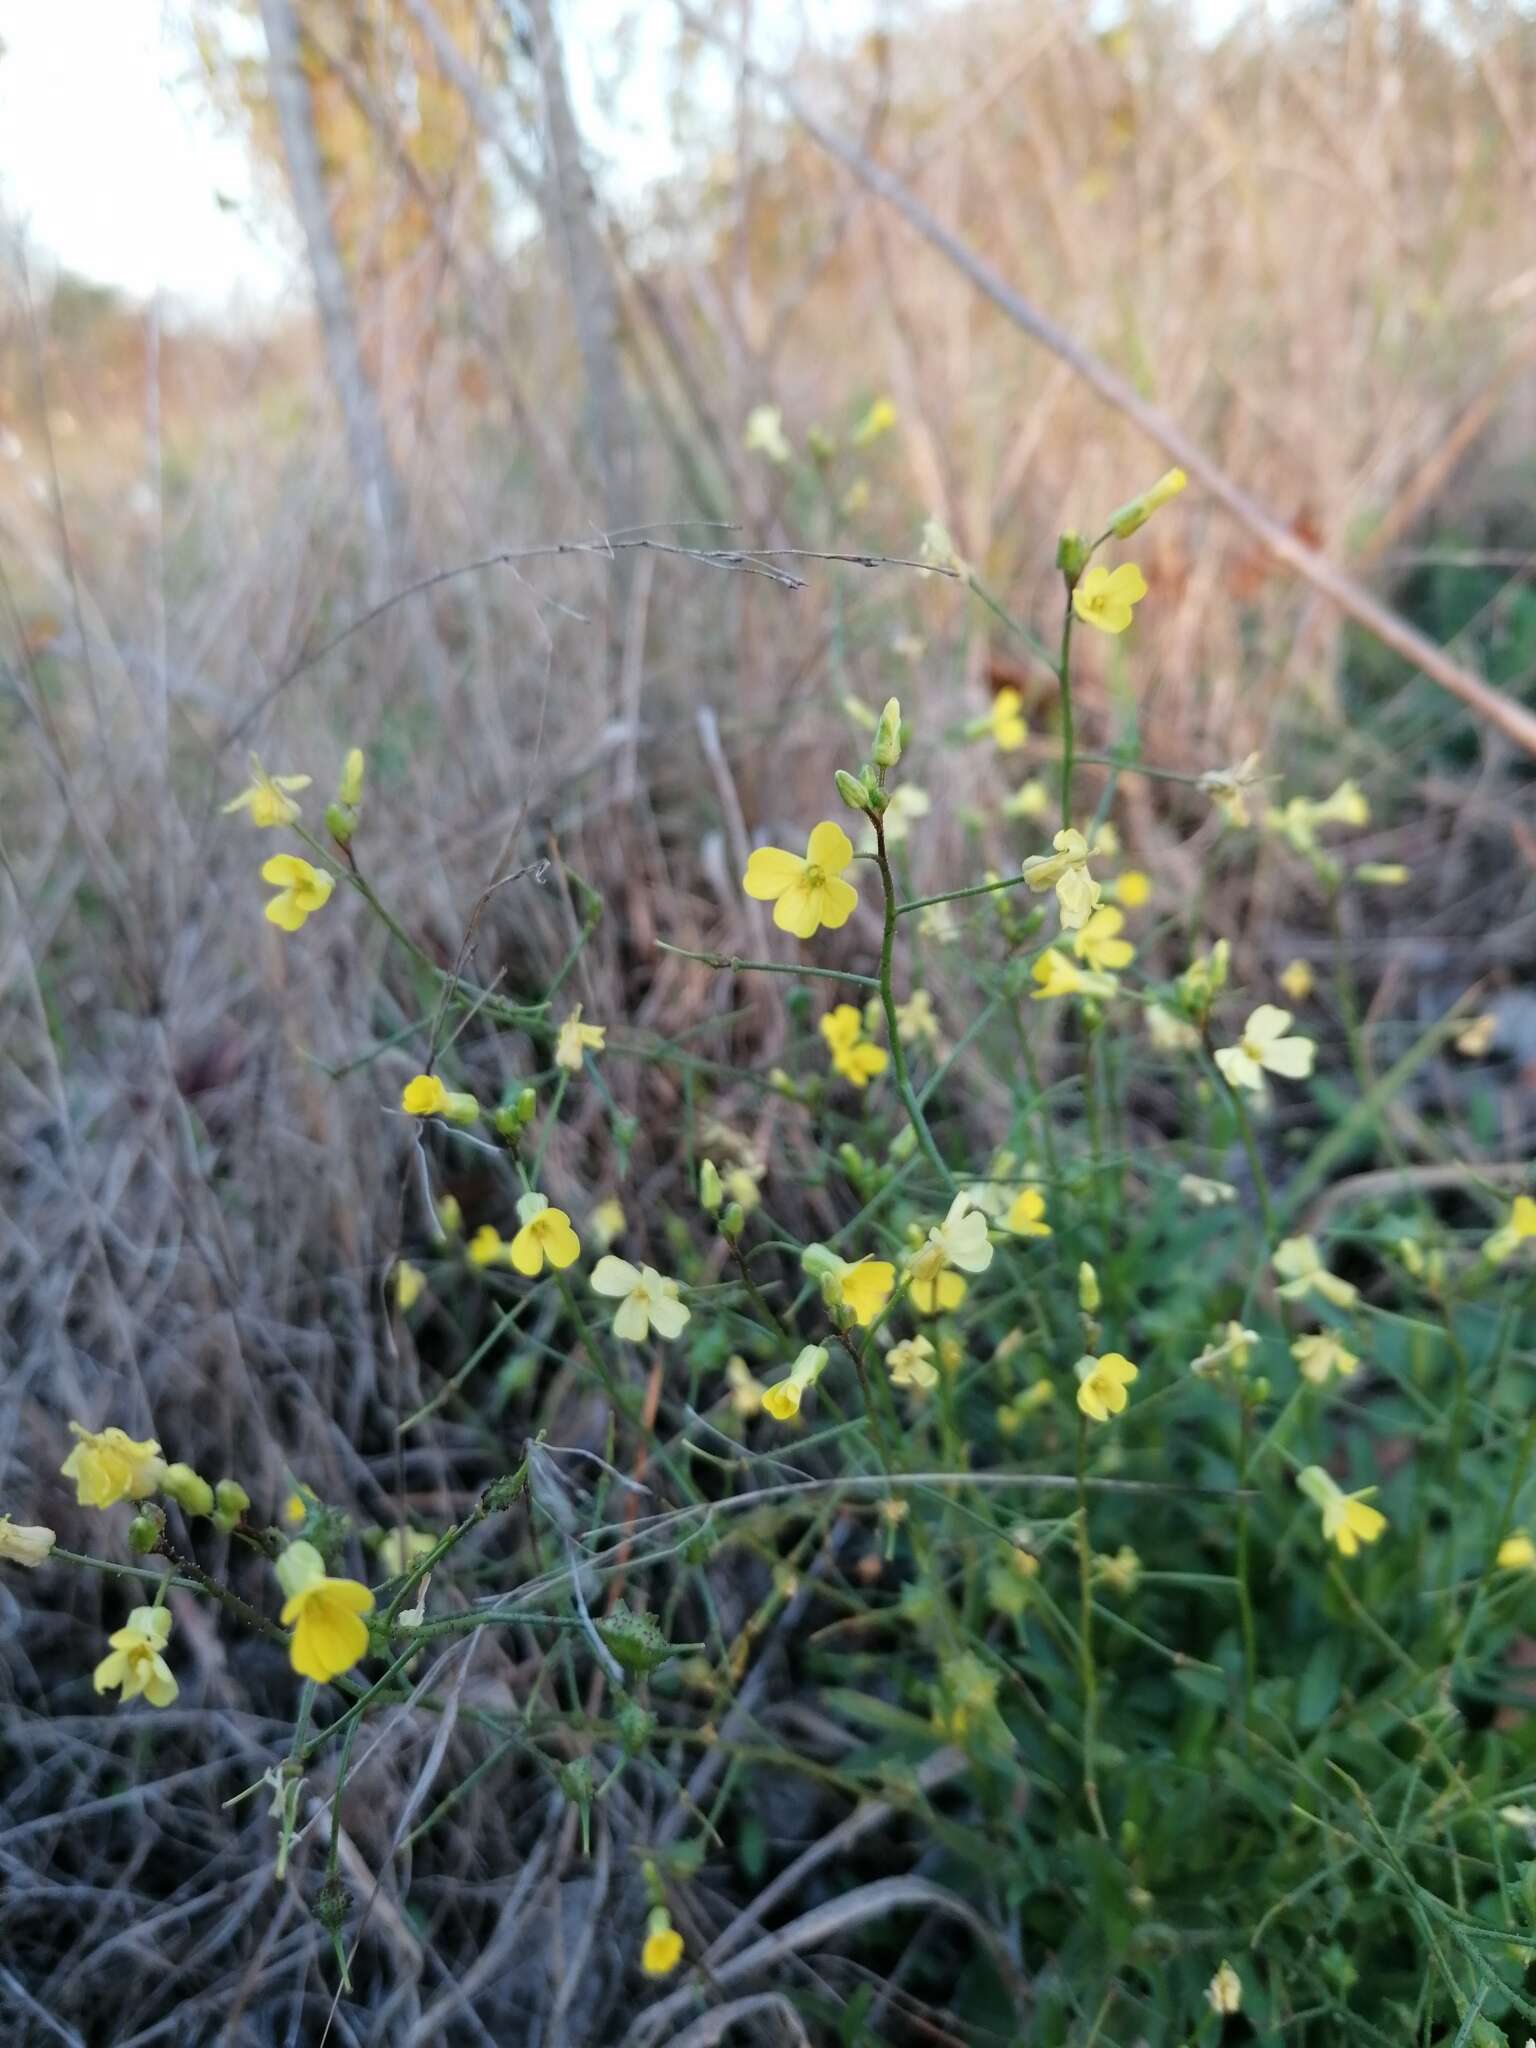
x=1244 y=1588
x=241 y=1609
x=732 y=963
x=909 y=1100
x=1088 y=1671
x=1068 y=731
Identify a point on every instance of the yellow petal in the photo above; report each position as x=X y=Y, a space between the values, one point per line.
x=829 y=848
x=770 y=871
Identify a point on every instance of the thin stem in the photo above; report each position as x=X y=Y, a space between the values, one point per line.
x=1087 y=1669
x=241 y=1609
x=732 y=963
x=1244 y=1590
x=909 y=1100
x=1068 y=732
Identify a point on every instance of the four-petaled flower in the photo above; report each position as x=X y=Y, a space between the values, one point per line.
x=857 y=1058
x=863 y=1285
x=301 y=890
x=1101 y=1385
x=137 y=1661
x=1322 y=1354
x=910 y=1363
x=1347 y=1520
x=487 y=1247
x=265 y=797
x=1006 y=720
x=805 y=893
x=1099 y=941
x=1301 y=1269
x=1059 y=976
x=425 y=1095
x=959 y=1241
x=783 y=1398
x=546 y=1233
x=646 y=1300
x=1065 y=871
x=916 y=1020
x=1026 y=1216
x=108 y=1465
x=575 y=1039
x=1265 y=1048
x=325 y=1614
x=1104 y=597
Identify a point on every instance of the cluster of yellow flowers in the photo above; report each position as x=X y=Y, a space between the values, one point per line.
x=269 y=802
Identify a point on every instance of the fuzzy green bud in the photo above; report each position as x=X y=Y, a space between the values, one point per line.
x=331 y=1903
x=732 y=1222
x=1072 y=553
x=349 y=789
x=340 y=823
x=636 y=1727
x=634 y=1640
x=1088 y=1295
x=886 y=751
x=711 y=1194
x=230 y=1502
x=145 y=1530
x=818 y=1260
x=1139 y=510
x=852 y=791
x=188 y=1489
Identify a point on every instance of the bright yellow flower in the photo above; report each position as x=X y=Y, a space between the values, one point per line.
x=607 y=1222
x=1006 y=720
x=24 y=1543
x=864 y=1285
x=546 y=1233
x=879 y=420
x=137 y=1663
x=805 y=893
x=265 y=799
x=1099 y=941
x=409 y=1282
x=1264 y=1048
x=1133 y=888
x=1101 y=1385
x=746 y=1388
x=1058 y=976
x=295 y=1508
x=1301 y=1269
x=426 y=1096
x=301 y=890
x=1026 y=1216
x=487 y=1247
x=910 y=1363
x=857 y=1058
x=1104 y=597
x=325 y=1614
x=1518 y=1230
x=663 y=1949
x=646 y=1301
x=575 y=1039
x=1298 y=980
x=1065 y=871
x=108 y=1465
x=1322 y=1354
x=783 y=1398
x=1347 y=1521
x=1517 y=1553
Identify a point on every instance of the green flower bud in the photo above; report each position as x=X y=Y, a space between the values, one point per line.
x=230 y=1502
x=852 y=791
x=636 y=1727
x=340 y=823
x=733 y=1222
x=1071 y=555
x=349 y=790
x=711 y=1194
x=1139 y=510
x=886 y=751
x=1088 y=1297
x=145 y=1530
x=818 y=1260
x=190 y=1492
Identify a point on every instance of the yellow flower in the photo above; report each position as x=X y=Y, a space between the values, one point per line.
x=646 y=1301
x=108 y=1466
x=879 y=420
x=783 y=1398
x=546 y=1233
x=1118 y=1574
x=426 y=1096
x=1517 y=1553
x=663 y=1949
x=1322 y=1354
x=1006 y=720
x=1228 y=789
x=575 y=1038
x=739 y=1184
x=1104 y=597
x=23 y=1543
x=910 y=1363
x=1232 y=1347
x=1298 y=980
x=398 y=1549
x=1207 y=1193
x=349 y=789
x=1347 y=1521
x=1099 y=941
x=808 y=893
x=295 y=1508
x=487 y=1247
x=450 y=1217
x=1224 y=1993
x=857 y=1058
x=1477 y=1035
x=1026 y=1216
x=1030 y=800
x=1101 y=1385
x=1065 y=871
x=864 y=1285
x=137 y=1663
x=265 y=799
x=1300 y=821
x=409 y=1282
x=915 y=1019
x=1263 y=1048
x=1518 y=1230
x=765 y=434
x=746 y=1388
x=301 y=889
x=607 y=1222
x=937 y=922
x=325 y=1614
x=960 y=1240
x=1133 y=888
x=1301 y=1269
x=1385 y=874
x=1057 y=976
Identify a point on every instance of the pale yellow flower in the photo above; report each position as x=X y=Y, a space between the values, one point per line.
x=937 y=922
x=1298 y=980
x=301 y=890
x=409 y=1282
x=646 y=1300
x=1065 y=871
x=1477 y=1035
x=574 y=1039
x=1104 y=598
x=325 y=1614
x=137 y=1662
x=1265 y=1048
x=398 y=1549
x=1170 y=1032
x=1228 y=789
x=1301 y=1269
x=805 y=893
x=879 y=420
x=1224 y=1993
x=915 y=1019
x=1030 y=800
x=1102 y=1384
x=607 y=1222
x=1026 y=1214
x=910 y=1363
x=1231 y=1350
x=265 y=797
x=1347 y=1521
x=1207 y=1193
x=765 y=434
x=108 y=1465
x=1519 y=1229
x=545 y=1233
x=746 y=1388
x=1058 y=976
x=24 y=1543
x=1006 y=721
x=1322 y=1354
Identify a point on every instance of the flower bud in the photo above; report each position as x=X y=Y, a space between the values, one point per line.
x=188 y=1489
x=711 y=1194
x=1135 y=514
x=145 y=1530
x=852 y=791
x=1072 y=553
x=349 y=790
x=340 y=823
x=230 y=1502
x=732 y=1222
x=819 y=1261
x=886 y=751
x=1089 y=1298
